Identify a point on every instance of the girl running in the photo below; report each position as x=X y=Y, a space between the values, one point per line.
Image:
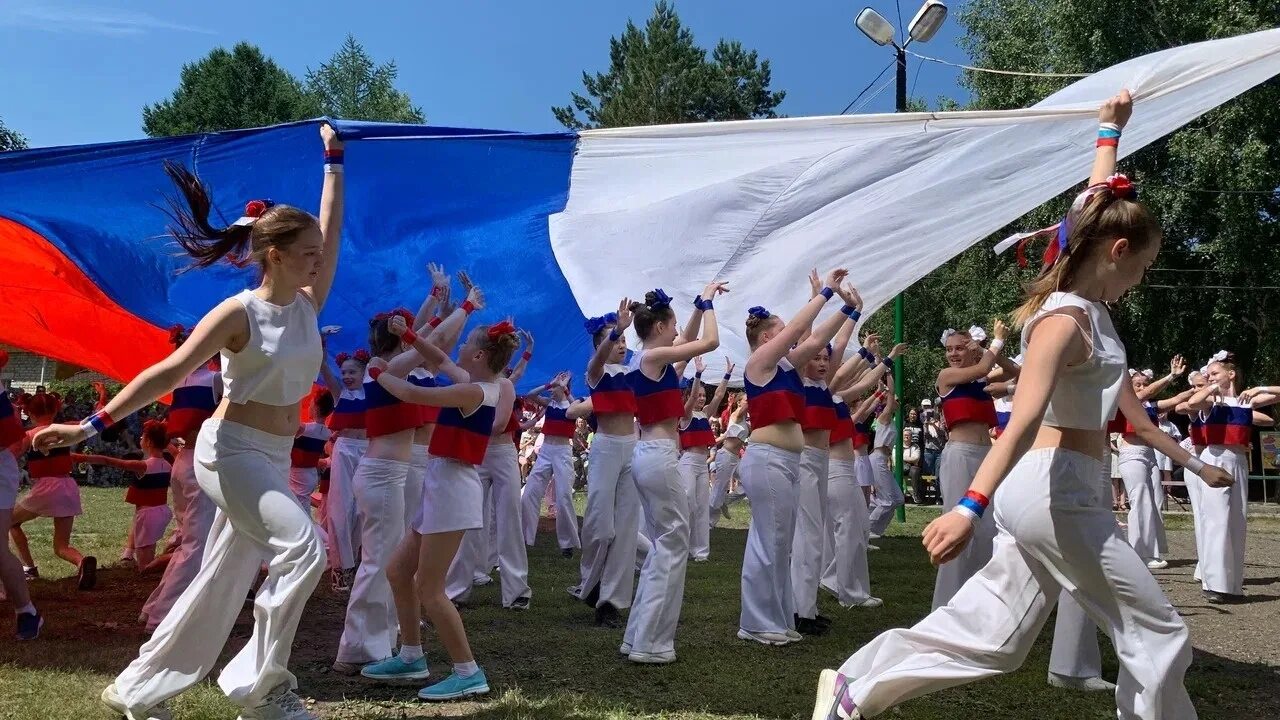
x=271 y=356
x=148 y=493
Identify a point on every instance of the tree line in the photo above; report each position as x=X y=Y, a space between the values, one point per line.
x=1213 y=184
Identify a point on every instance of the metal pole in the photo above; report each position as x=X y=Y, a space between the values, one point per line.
x=899 y=308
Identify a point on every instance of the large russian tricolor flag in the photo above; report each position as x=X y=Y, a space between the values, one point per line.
x=555 y=226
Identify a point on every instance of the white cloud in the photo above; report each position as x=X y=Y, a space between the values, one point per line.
x=91 y=20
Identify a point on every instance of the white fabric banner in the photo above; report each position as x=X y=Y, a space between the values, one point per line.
x=758 y=203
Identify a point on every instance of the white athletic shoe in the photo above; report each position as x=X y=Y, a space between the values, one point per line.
x=765 y=638
x=281 y=704
x=112 y=699
x=624 y=649
x=1157 y=564
x=794 y=636
x=1089 y=684
x=869 y=602
x=662 y=658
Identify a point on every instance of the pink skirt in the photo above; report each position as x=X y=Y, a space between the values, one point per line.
x=53 y=497
x=149 y=524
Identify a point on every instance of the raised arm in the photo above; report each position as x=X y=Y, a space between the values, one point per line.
x=331 y=381
x=890 y=405
x=721 y=390
x=1177 y=366
x=818 y=339
x=840 y=346
x=765 y=358
x=439 y=291
x=330 y=215
x=1115 y=111
x=1261 y=396
x=1202 y=399
x=599 y=358
x=465 y=396
x=657 y=357
x=580 y=409
x=526 y=355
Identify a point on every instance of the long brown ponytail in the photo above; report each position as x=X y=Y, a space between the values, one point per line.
x=276 y=225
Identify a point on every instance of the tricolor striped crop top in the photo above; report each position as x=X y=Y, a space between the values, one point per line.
x=384 y=414
x=1228 y=422
x=697 y=434
x=819 y=407
x=968 y=402
x=556 y=422
x=308 y=446
x=193 y=403
x=152 y=489
x=778 y=400
x=656 y=400
x=613 y=393
x=842 y=430
x=465 y=438
x=348 y=411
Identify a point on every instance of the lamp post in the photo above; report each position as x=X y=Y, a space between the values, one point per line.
x=922 y=28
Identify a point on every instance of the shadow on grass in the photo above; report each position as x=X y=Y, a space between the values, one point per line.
x=553 y=663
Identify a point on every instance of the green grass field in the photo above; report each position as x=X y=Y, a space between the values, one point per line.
x=551 y=662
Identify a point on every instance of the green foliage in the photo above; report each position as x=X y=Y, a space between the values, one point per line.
x=352 y=86
x=660 y=75
x=1211 y=238
x=225 y=90
x=11 y=139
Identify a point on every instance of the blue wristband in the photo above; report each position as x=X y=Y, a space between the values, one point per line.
x=888 y=362
x=865 y=354
x=613 y=335
x=697 y=376
x=827 y=293
x=972 y=505
x=727 y=376
x=852 y=312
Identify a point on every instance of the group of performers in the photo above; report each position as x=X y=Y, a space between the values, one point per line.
x=410 y=460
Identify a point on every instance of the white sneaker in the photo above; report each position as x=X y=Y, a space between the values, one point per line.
x=872 y=547
x=624 y=649
x=112 y=699
x=765 y=638
x=868 y=602
x=662 y=658
x=281 y=704
x=1089 y=684
x=794 y=636
x=1157 y=564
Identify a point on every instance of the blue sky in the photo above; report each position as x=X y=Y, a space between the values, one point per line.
x=78 y=72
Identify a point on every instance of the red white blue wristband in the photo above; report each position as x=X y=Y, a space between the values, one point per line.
x=96 y=423
x=973 y=505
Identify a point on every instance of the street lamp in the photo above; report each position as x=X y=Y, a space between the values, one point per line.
x=922 y=29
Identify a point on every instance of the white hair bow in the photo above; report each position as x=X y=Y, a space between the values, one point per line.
x=1219 y=356
x=946 y=334
x=1150 y=375
x=977 y=333
x=1204 y=371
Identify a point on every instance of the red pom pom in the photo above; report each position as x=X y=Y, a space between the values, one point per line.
x=177 y=334
x=255 y=208
x=362 y=355
x=342 y=357
x=497 y=330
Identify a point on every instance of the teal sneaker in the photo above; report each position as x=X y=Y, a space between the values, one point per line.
x=394 y=669
x=455 y=686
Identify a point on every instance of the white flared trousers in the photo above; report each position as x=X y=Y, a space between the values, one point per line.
x=500 y=477
x=1056 y=532
x=553 y=461
x=342 y=518
x=195 y=512
x=846 y=573
x=651 y=625
x=726 y=467
x=956 y=467
x=246 y=474
x=1145 y=522
x=806 y=543
x=697 y=481
x=1222 y=513
x=369 y=631
x=769 y=476
x=888 y=497
x=611 y=522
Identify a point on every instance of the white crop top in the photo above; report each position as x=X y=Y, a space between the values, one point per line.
x=886 y=435
x=1086 y=395
x=282 y=358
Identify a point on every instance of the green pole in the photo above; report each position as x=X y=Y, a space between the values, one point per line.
x=898 y=310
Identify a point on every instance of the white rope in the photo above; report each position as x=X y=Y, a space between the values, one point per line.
x=997 y=72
